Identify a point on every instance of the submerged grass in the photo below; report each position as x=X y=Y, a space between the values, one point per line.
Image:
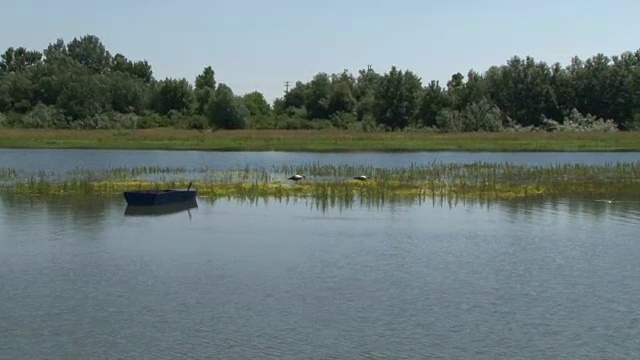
x=329 y=183
x=316 y=140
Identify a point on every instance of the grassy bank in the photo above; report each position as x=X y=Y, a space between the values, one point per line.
x=315 y=140
x=476 y=181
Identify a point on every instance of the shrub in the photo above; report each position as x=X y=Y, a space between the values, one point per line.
x=477 y=116
x=343 y=120
x=41 y=117
x=634 y=124
x=578 y=122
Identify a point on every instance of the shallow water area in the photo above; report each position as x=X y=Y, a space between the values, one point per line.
x=80 y=278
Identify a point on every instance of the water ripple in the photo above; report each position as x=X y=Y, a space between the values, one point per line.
x=535 y=279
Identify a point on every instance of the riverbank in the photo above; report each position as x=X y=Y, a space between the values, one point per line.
x=314 y=140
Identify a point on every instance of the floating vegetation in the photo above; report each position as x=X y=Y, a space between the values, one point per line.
x=335 y=183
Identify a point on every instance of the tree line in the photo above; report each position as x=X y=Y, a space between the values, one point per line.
x=80 y=84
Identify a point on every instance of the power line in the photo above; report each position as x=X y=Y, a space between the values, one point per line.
x=286 y=87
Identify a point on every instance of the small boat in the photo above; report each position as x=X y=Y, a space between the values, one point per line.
x=159 y=197
x=159 y=210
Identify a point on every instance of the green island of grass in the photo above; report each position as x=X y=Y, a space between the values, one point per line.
x=329 y=183
x=316 y=140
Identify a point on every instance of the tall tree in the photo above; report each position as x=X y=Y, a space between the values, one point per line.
x=205 y=86
x=396 y=99
x=433 y=100
x=316 y=97
x=256 y=104
x=90 y=52
x=227 y=111
x=174 y=94
x=20 y=59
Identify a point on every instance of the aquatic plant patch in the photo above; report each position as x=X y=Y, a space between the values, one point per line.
x=484 y=181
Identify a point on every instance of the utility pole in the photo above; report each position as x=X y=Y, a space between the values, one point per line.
x=369 y=68
x=286 y=87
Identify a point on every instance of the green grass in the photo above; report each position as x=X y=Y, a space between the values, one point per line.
x=315 y=140
x=328 y=183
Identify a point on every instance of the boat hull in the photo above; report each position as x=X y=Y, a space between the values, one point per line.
x=158 y=210
x=158 y=197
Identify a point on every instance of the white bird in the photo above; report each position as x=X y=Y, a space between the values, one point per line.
x=361 y=177
x=296 y=177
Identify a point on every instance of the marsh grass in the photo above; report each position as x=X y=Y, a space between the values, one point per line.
x=333 y=184
x=317 y=140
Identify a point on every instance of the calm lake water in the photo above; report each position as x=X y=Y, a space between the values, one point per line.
x=81 y=280
x=32 y=160
x=87 y=279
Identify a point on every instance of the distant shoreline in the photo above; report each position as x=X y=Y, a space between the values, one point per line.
x=317 y=140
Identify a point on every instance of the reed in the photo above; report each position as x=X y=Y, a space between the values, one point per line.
x=331 y=183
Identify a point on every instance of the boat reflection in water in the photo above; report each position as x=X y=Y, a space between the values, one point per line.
x=159 y=210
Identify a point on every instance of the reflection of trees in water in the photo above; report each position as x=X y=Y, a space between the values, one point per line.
x=596 y=208
x=15 y=213
x=85 y=215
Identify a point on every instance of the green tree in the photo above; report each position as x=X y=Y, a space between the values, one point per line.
x=433 y=100
x=295 y=97
x=205 y=86
x=227 y=111
x=84 y=96
x=137 y=69
x=316 y=97
x=364 y=93
x=341 y=99
x=396 y=99
x=19 y=92
x=56 y=52
x=173 y=94
x=90 y=52
x=256 y=104
x=17 y=60
x=128 y=94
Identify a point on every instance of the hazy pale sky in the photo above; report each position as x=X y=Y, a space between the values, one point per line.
x=257 y=45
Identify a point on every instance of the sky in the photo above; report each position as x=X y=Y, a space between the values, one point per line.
x=258 y=45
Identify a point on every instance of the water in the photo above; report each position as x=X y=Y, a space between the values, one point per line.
x=34 y=160
x=545 y=279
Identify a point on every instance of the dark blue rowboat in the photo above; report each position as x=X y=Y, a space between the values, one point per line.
x=159 y=197
x=158 y=210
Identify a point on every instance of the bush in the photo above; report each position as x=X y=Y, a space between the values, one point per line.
x=124 y=121
x=343 y=120
x=482 y=116
x=197 y=122
x=41 y=117
x=97 y=121
x=511 y=126
x=449 y=120
x=263 y=122
x=152 y=120
x=578 y=122
x=478 y=116
x=632 y=125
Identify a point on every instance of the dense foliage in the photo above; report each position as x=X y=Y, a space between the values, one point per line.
x=80 y=84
